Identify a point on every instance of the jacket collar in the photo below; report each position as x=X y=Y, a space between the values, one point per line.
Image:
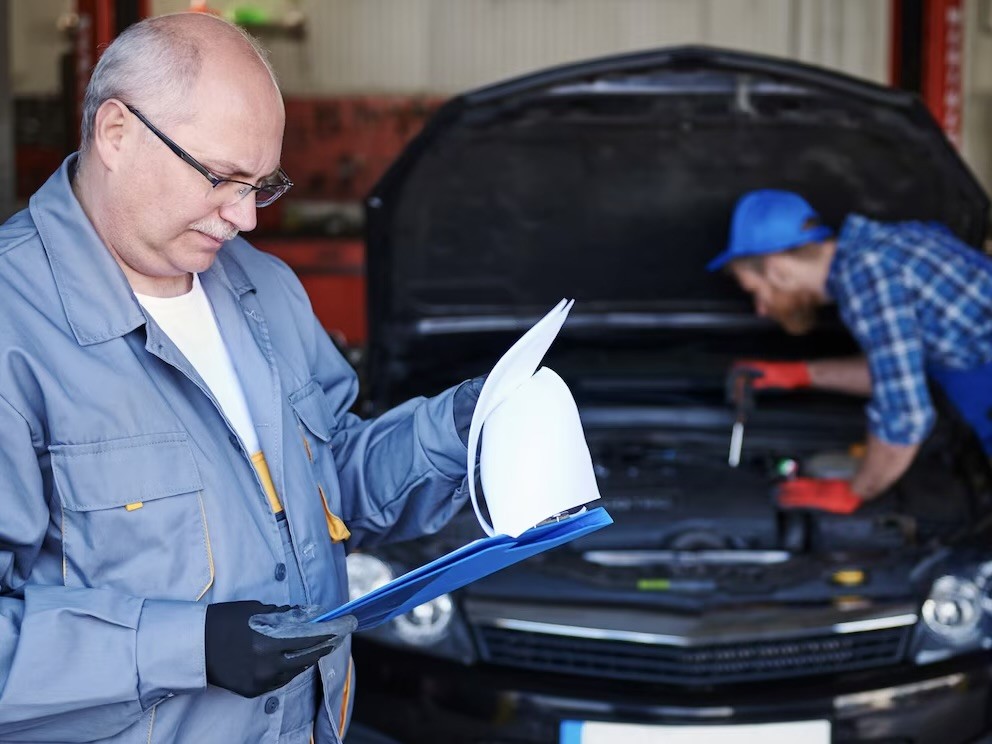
x=227 y=269
x=96 y=296
x=848 y=238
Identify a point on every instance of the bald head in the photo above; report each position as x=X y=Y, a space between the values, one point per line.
x=157 y=64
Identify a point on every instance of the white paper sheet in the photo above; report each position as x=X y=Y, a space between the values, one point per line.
x=535 y=462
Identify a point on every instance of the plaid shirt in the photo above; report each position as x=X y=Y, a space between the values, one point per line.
x=913 y=296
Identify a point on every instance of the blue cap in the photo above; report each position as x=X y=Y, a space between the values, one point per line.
x=770 y=221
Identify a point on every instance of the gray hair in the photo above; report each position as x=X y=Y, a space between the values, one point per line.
x=157 y=62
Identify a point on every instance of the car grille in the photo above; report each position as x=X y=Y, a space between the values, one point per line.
x=829 y=653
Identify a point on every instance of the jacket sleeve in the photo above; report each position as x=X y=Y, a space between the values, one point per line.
x=402 y=474
x=76 y=664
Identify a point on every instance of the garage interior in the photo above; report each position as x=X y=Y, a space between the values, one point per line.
x=361 y=78
x=380 y=95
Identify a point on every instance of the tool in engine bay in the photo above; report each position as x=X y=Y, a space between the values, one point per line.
x=740 y=392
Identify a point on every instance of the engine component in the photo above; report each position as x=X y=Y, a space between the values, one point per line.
x=831 y=465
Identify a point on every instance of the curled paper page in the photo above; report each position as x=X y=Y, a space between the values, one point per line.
x=515 y=495
x=535 y=461
x=513 y=369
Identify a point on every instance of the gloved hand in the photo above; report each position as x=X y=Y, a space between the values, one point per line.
x=776 y=375
x=252 y=648
x=829 y=495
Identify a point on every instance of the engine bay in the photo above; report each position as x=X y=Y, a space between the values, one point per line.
x=683 y=496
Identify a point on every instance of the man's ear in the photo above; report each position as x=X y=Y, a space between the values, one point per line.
x=109 y=129
x=779 y=271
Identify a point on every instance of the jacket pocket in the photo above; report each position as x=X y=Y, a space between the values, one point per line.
x=316 y=423
x=133 y=518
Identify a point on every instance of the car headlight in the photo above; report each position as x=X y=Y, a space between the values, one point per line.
x=433 y=627
x=366 y=573
x=953 y=609
x=983 y=580
x=426 y=624
x=956 y=616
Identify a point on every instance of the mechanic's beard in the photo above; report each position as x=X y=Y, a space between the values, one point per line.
x=216 y=229
x=796 y=313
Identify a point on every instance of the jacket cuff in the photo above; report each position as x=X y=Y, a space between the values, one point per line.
x=902 y=428
x=438 y=436
x=170 y=650
x=463 y=404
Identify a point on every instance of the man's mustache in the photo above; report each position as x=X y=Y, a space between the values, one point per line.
x=222 y=231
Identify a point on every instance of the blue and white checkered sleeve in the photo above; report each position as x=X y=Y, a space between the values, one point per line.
x=882 y=317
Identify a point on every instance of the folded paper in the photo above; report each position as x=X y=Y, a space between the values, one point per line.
x=514 y=368
x=535 y=462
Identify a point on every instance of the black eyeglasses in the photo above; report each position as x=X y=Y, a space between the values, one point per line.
x=227 y=190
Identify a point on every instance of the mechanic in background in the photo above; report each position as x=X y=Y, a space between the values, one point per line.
x=917 y=300
x=178 y=461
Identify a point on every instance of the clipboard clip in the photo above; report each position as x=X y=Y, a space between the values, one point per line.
x=562 y=516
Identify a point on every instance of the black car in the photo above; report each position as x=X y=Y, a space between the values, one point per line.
x=704 y=612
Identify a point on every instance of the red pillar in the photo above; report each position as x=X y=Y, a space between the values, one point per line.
x=98 y=26
x=943 y=64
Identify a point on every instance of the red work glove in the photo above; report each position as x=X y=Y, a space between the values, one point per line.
x=776 y=375
x=829 y=495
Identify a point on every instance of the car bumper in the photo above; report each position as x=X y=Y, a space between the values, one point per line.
x=419 y=699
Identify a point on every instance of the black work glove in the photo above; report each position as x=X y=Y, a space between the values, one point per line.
x=253 y=648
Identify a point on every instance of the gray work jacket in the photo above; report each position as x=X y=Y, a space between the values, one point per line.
x=127 y=504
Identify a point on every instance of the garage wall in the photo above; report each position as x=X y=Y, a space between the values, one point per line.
x=446 y=46
x=978 y=89
x=35 y=46
x=438 y=47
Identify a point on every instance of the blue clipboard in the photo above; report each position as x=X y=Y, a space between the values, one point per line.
x=463 y=566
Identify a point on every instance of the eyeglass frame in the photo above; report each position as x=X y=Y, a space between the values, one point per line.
x=285 y=185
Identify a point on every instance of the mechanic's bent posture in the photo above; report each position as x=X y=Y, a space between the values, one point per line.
x=179 y=470
x=917 y=300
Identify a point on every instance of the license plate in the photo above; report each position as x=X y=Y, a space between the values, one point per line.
x=596 y=732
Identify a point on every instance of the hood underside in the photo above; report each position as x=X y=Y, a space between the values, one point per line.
x=613 y=182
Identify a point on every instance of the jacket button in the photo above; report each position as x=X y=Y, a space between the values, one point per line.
x=271 y=705
x=280 y=574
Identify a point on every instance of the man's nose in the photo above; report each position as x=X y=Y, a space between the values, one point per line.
x=241 y=214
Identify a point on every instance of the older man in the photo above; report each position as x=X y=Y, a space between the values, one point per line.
x=178 y=464
x=917 y=300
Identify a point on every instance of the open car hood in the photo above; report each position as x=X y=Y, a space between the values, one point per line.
x=613 y=181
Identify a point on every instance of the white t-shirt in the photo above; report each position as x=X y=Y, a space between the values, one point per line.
x=189 y=321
